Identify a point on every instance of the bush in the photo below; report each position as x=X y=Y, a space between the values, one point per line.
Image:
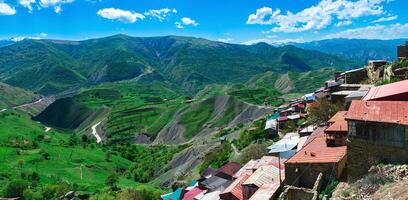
x=15 y=188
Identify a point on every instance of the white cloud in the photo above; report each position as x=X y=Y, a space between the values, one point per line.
x=186 y=21
x=274 y=42
x=179 y=25
x=6 y=9
x=21 y=38
x=161 y=14
x=56 y=4
x=343 y=23
x=120 y=15
x=318 y=16
x=385 y=19
x=392 y=31
x=43 y=34
x=27 y=4
x=189 y=21
x=225 y=40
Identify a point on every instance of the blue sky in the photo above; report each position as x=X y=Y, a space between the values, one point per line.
x=235 y=21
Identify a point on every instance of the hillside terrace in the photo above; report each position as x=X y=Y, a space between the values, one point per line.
x=372 y=126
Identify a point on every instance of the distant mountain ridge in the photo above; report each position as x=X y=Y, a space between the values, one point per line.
x=360 y=50
x=52 y=66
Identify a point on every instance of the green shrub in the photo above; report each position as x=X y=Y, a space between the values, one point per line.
x=15 y=188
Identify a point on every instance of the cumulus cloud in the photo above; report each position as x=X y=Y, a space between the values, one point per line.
x=56 y=4
x=160 y=14
x=125 y=16
x=385 y=19
x=186 y=21
x=392 y=31
x=316 y=17
x=6 y=9
x=27 y=4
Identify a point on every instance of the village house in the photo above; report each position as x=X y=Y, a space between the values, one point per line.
x=336 y=133
x=402 y=51
x=214 y=183
x=228 y=170
x=267 y=174
x=353 y=76
x=235 y=191
x=316 y=157
x=397 y=91
x=378 y=132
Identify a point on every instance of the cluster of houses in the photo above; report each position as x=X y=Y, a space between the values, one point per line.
x=371 y=128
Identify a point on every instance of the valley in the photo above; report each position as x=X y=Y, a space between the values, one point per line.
x=105 y=114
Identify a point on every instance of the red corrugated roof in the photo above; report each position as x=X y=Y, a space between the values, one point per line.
x=339 y=116
x=230 y=168
x=235 y=189
x=379 y=111
x=318 y=152
x=339 y=126
x=318 y=132
x=338 y=123
x=387 y=90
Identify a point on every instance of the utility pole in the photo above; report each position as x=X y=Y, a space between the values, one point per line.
x=279 y=163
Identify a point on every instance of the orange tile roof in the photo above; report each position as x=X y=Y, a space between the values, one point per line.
x=339 y=116
x=318 y=152
x=387 y=90
x=379 y=111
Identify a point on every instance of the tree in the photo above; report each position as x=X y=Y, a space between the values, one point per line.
x=254 y=151
x=15 y=188
x=112 y=181
x=322 y=112
x=45 y=154
x=20 y=163
x=129 y=194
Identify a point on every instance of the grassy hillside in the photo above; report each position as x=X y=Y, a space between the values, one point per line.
x=50 y=66
x=293 y=82
x=12 y=96
x=53 y=162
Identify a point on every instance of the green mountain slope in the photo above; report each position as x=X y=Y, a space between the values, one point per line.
x=12 y=96
x=52 y=66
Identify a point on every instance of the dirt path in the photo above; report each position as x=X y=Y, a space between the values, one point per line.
x=234 y=148
x=95 y=132
x=3 y=110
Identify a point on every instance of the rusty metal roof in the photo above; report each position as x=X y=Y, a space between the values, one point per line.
x=235 y=189
x=339 y=126
x=318 y=152
x=379 y=111
x=387 y=90
x=266 y=191
x=338 y=117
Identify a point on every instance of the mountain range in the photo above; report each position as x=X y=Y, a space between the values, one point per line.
x=360 y=50
x=53 y=66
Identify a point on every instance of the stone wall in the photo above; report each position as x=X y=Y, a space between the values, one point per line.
x=305 y=175
x=363 y=154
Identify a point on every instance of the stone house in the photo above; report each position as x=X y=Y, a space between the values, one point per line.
x=377 y=133
x=302 y=169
